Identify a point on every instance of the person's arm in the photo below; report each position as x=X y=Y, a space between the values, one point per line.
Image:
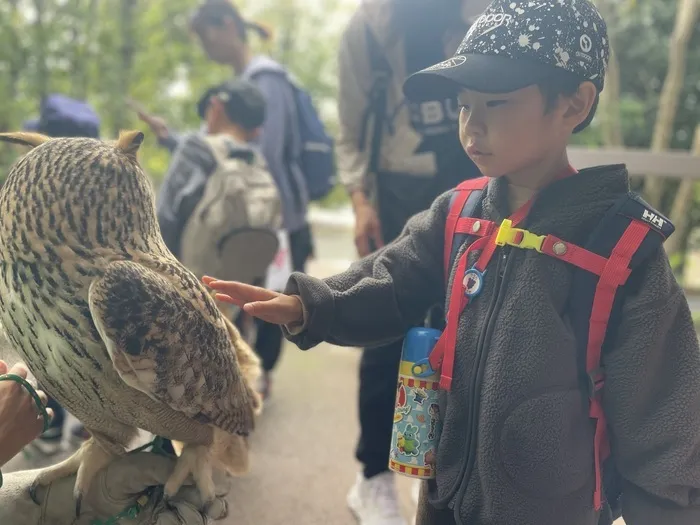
x=170 y=141
x=182 y=187
x=276 y=127
x=354 y=86
x=166 y=138
x=651 y=399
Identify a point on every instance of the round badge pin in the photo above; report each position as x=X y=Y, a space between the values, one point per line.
x=473 y=282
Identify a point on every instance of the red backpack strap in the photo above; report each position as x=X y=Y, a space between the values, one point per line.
x=464 y=199
x=628 y=234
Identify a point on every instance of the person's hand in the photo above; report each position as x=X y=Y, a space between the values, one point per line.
x=20 y=419
x=273 y=307
x=157 y=124
x=115 y=489
x=368 y=229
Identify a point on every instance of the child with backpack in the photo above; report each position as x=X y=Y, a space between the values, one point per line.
x=218 y=189
x=569 y=365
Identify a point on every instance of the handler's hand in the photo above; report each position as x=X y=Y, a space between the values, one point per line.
x=114 y=489
x=20 y=420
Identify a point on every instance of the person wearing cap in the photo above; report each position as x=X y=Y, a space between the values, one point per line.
x=395 y=156
x=224 y=35
x=520 y=442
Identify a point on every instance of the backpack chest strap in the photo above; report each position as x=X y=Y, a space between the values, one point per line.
x=610 y=270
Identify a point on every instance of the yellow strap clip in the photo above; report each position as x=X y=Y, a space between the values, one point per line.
x=518 y=237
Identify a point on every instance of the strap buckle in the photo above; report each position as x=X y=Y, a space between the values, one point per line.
x=518 y=237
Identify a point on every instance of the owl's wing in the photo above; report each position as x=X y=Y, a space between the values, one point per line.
x=167 y=339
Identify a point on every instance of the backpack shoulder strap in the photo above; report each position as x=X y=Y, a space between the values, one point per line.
x=458 y=226
x=628 y=234
x=376 y=109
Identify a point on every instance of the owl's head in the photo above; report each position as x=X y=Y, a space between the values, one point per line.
x=94 y=190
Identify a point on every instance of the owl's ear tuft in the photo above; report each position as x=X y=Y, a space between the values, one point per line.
x=130 y=141
x=24 y=138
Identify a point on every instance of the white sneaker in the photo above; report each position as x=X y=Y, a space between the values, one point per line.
x=415 y=491
x=374 y=501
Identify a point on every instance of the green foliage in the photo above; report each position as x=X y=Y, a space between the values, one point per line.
x=107 y=50
x=641 y=35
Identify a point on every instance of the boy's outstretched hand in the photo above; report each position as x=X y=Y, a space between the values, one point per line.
x=273 y=307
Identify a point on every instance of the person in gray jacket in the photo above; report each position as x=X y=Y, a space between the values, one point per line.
x=224 y=33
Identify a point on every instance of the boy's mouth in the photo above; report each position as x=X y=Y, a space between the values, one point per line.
x=474 y=151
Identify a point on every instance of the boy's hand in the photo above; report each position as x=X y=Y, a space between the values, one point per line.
x=273 y=307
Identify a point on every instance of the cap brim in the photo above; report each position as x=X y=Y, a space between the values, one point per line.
x=482 y=73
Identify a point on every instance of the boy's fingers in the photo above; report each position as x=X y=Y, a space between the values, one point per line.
x=242 y=292
x=3 y=367
x=207 y=280
x=273 y=311
x=261 y=310
x=224 y=298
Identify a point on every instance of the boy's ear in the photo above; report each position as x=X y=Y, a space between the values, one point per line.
x=579 y=104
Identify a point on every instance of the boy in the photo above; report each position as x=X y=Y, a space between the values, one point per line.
x=521 y=442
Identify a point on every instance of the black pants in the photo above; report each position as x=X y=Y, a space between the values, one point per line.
x=379 y=367
x=268 y=344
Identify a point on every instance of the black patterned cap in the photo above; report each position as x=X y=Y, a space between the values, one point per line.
x=518 y=43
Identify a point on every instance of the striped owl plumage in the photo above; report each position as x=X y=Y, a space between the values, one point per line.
x=111 y=325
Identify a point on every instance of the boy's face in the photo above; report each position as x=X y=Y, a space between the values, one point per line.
x=506 y=133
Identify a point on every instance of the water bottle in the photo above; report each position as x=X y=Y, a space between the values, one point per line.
x=417 y=425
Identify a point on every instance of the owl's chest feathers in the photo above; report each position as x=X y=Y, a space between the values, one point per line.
x=45 y=311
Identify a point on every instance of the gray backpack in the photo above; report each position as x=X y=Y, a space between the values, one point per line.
x=232 y=232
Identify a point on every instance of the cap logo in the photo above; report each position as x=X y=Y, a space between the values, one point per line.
x=497 y=19
x=449 y=63
x=586 y=43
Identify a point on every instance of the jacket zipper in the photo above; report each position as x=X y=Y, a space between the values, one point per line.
x=463 y=467
x=477 y=378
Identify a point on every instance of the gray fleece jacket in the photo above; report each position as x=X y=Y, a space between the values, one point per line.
x=517 y=444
